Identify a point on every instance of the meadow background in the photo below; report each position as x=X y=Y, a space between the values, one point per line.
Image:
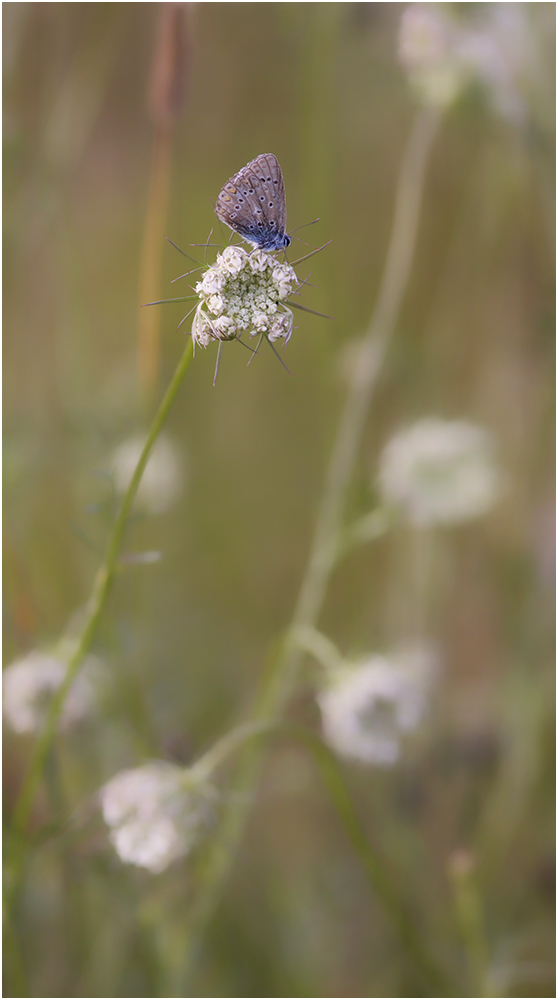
x=184 y=641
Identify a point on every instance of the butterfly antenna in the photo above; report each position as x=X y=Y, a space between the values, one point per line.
x=180 y=250
x=277 y=355
x=305 y=243
x=305 y=226
x=217 y=363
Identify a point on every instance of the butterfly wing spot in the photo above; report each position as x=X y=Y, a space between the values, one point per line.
x=248 y=199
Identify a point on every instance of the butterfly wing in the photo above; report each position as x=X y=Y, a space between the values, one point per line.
x=253 y=203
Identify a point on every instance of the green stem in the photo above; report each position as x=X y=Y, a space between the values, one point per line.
x=376 y=869
x=95 y=606
x=375 y=866
x=286 y=660
x=470 y=918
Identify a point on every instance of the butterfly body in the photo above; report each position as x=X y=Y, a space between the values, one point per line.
x=252 y=203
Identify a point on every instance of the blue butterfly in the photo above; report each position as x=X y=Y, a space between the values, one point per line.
x=253 y=204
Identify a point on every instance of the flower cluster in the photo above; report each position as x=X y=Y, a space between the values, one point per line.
x=369 y=705
x=427 y=51
x=244 y=292
x=440 y=472
x=29 y=684
x=442 y=54
x=154 y=814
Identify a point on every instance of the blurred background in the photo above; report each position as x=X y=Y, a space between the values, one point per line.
x=121 y=124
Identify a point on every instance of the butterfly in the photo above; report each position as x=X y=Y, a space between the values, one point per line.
x=253 y=204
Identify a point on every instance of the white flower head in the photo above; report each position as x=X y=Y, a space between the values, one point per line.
x=442 y=54
x=154 y=816
x=163 y=477
x=370 y=705
x=242 y=293
x=28 y=686
x=501 y=53
x=428 y=52
x=440 y=472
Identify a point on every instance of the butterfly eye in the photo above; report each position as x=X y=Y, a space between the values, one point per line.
x=275 y=182
x=262 y=197
x=270 y=204
x=268 y=179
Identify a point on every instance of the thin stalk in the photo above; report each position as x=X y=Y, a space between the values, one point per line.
x=470 y=918
x=96 y=604
x=374 y=864
x=149 y=321
x=286 y=662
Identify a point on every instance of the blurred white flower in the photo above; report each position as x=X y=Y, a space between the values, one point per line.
x=242 y=293
x=443 y=54
x=501 y=50
x=163 y=476
x=370 y=705
x=440 y=472
x=428 y=42
x=29 y=684
x=155 y=818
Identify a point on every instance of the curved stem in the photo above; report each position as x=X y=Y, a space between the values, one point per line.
x=379 y=875
x=95 y=606
x=286 y=661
